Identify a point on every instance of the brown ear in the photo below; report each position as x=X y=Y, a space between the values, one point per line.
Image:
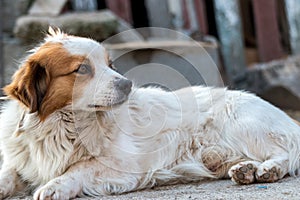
x=29 y=85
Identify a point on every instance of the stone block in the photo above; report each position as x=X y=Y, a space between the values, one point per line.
x=97 y=25
x=277 y=82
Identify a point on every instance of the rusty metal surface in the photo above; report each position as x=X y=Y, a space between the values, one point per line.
x=267 y=30
x=121 y=8
x=200 y=7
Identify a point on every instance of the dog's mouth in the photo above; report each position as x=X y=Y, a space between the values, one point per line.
x=96 y=106
x=108 y=106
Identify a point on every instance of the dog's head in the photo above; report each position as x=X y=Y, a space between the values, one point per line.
x=68 y=71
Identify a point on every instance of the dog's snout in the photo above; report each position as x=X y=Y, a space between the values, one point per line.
x=124 y=85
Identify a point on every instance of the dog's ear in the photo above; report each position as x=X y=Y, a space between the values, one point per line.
x=29 y=85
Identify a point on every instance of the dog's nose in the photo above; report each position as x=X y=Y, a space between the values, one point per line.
x=124 y=85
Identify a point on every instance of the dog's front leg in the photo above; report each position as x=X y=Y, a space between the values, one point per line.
x=66 y=186
x=63 y=187
x=90 y=178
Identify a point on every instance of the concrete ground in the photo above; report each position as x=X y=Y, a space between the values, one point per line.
x=286 y=188
x=220 y=189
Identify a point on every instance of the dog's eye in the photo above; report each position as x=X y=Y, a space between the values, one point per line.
x=83 y=69
x=111 y=65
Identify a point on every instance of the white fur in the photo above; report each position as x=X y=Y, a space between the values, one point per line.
x=153 y=138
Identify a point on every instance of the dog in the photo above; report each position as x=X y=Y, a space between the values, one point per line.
x=73 y=127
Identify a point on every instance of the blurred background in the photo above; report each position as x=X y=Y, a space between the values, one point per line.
x=252 y=44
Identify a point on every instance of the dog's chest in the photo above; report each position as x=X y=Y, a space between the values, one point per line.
x=43 y=151
x=39 y=161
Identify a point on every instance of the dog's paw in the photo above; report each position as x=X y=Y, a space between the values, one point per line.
x=267 y=175
x=55 y=190
x=243 y=172
x=51 y=192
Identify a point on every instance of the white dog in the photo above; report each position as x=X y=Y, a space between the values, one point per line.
x=75 y=127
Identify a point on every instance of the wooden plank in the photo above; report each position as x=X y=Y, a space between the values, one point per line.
x=229 y=28
x=160 y=44
x=267 y=31
x=186 y=58
x=292 y=8
x=200 y=7
x=121 y=8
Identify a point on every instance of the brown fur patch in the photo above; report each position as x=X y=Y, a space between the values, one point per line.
x=45 y=81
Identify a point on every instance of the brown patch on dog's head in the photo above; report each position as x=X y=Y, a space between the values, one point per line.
x=45 y=82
